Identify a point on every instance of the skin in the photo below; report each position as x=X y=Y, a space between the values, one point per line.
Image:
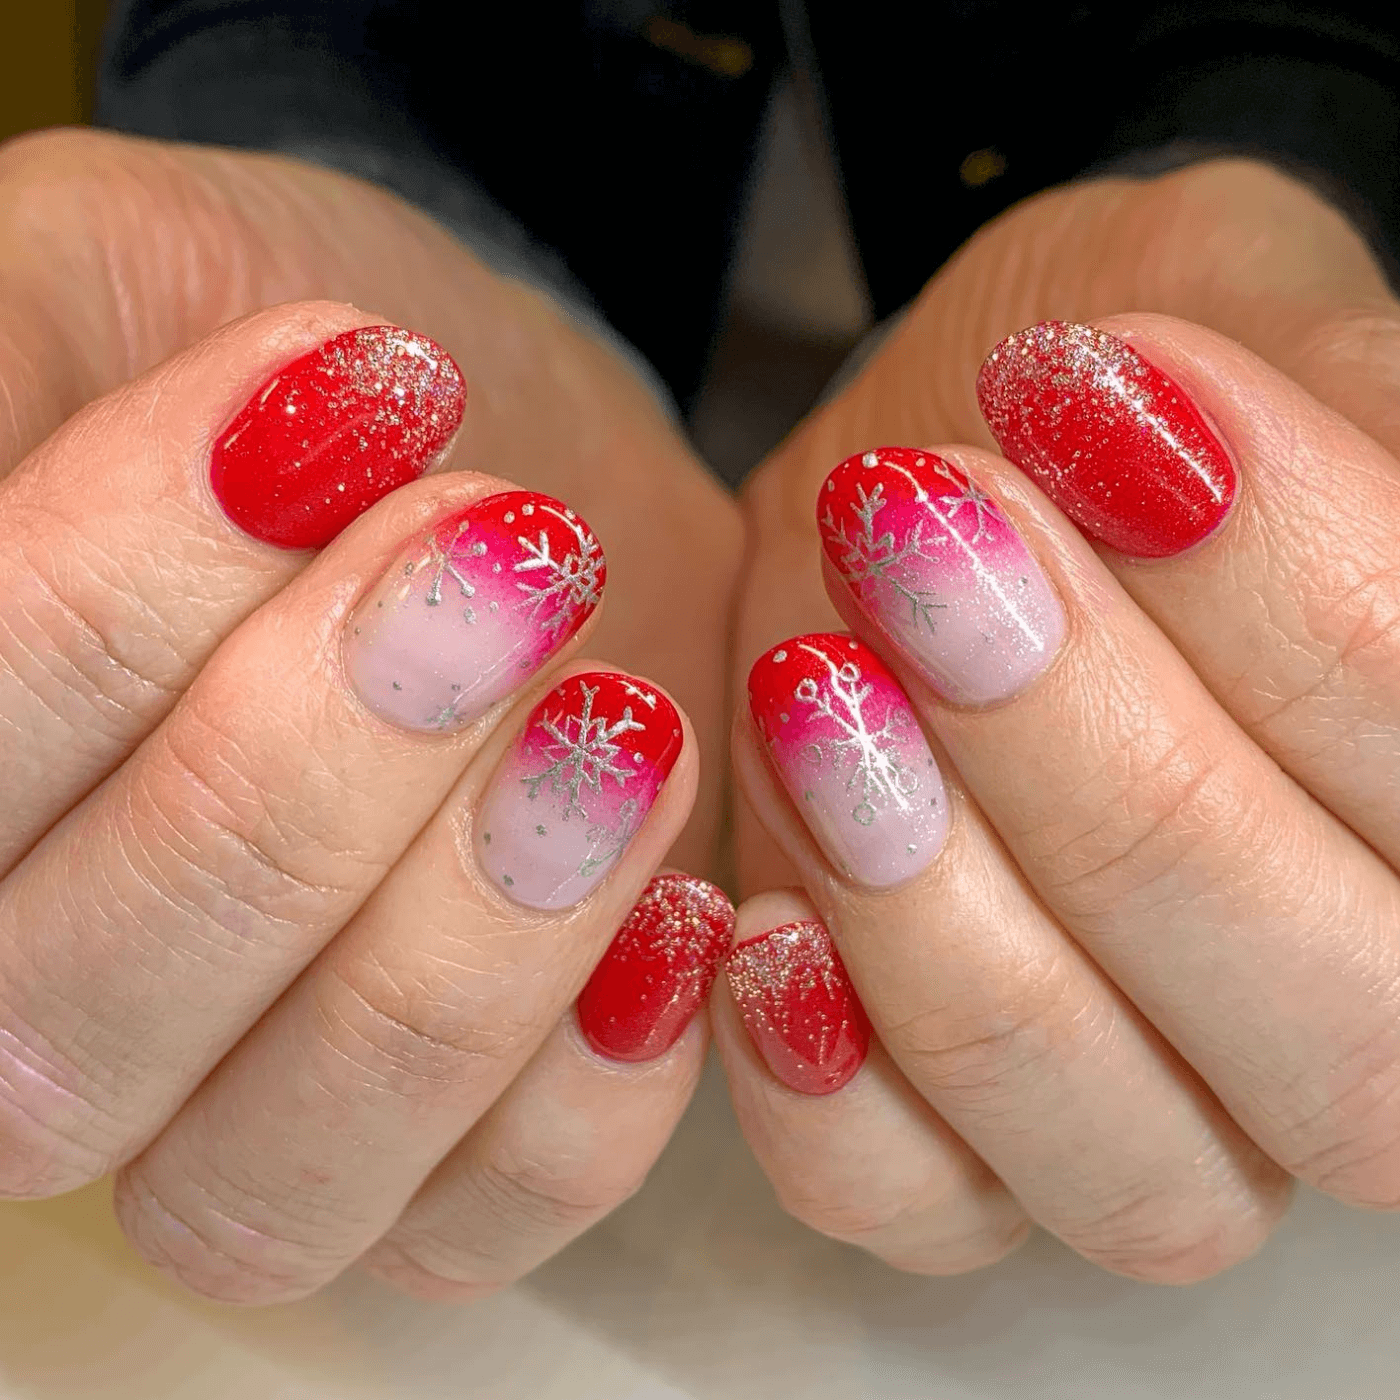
x=234 y=900
x=1152 y=977
x=380 y=992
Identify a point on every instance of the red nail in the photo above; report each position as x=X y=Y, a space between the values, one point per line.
x=658 y=971
x=333 y=432
x=801 y=1010
x=1110 y=439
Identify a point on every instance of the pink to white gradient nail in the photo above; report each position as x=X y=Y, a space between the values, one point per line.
x=935 y=565
x=846 y=744
x=467 y=614
x=569 y=798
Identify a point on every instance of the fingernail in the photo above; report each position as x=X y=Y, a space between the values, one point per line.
x=1110 y=439
x=935 y=565
x=577 y=787
x=334 y=431
x=658 y=971
x=472 y=609
x=799 y=1006
x=849 y=751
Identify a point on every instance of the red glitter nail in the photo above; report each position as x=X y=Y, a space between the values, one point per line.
x=799 y=1006
x=1110 y=439
x=658 y=971
x=333 y=432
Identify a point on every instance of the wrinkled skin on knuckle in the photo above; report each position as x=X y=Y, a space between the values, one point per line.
x=416 y=1030
x=1155 y=797
x=982 y=1051
x=59 y=1127
x=1184 y=1227
x=394 y=1262
x=216 y=1248
x=1342 y=1132
x=535 y=1195
x=215 y=816
x=906 y=1230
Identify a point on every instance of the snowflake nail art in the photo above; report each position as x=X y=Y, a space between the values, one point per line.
x=580 y=782
x=849 y=751
x=932 y=561
x=473 y=609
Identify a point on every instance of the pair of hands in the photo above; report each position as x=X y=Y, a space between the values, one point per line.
x=256 y=953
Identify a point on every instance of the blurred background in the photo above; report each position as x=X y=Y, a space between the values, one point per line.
x=796 y=304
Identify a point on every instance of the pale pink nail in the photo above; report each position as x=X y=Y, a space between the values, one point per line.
x=852 y=756
x=473 y=609
x=937 y=567
x=567 y=801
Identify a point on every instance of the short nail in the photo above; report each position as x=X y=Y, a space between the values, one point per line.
x=794 y=996
x=658 y=971
x=1114 y=442
x=472 y=609
x=935 y=565
x=845 y=742
x=567 y=801
x=334 y=431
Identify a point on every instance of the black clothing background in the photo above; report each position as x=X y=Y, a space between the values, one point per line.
x=620 y=134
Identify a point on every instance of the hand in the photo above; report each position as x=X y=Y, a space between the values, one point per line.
x=1129 y=967
x=299 y=878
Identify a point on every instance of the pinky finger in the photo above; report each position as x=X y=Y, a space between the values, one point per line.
x=581 y=1126
x=855 y=1154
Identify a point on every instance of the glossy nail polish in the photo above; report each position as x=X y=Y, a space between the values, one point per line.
x=845 y=743
x=1109 y=438
x=794 y=996
x=658 y=971
x=575 y=790
x=333 y=432
x=472 y=609
x=935 y=565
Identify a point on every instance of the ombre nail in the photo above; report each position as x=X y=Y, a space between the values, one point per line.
x=471 y=610
x=934 y=563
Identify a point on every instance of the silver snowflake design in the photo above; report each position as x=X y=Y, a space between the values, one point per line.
x=609 y=842
x=871 y=553
x=877 y=774
x=570 y=582
x=442 y=559
x=585 y=751
x=971 y=495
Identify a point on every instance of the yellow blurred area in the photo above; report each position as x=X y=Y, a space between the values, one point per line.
x=48 y=55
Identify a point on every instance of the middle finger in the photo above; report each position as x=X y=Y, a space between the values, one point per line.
x=160 y=917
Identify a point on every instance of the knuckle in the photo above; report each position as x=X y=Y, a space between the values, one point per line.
x=54 y=1135
x=64 y=641
x=395 y=1262
x=963 y=1253
x=207 y=814
x=533 y=1196
x=1156 y=1236
x=982 y=1052
x=860 y=1221
x=1155 y=802
x=414 y=1030
x=909 y=1232
x=1348 y=1144
x=210 y=1249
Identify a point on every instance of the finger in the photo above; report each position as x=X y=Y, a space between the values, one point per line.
x=577 y=1131
x=850 y=1148
x=1013 y=1036
x=155 y=922
x=1290 y=611
x=119 y=570
x=1200 y=877
x=423 y=1010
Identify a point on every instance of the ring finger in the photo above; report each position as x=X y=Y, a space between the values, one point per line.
x=996 y=1018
